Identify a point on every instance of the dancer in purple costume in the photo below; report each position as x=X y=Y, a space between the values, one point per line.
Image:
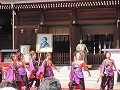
x=22 y=70
x=107 y=73
x=12 y=74
x=33 y=70
x=46 y=67
x=11 y=70
x=76 y=74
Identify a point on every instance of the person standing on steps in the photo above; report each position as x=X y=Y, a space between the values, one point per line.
x=82 y=47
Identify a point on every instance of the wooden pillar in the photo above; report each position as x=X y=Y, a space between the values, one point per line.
x=42 y=26
x=118 y=42
x=0 y=57
x=118 y=29
x=42 y=29
x=74 y=34
x=16 y=30
x=118 y=26
x=116 y=33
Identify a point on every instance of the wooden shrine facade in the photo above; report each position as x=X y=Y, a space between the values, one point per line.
x=95 y=21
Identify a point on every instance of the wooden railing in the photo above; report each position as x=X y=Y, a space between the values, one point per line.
x=61 y=58
x=95 y=59
x=64 y=59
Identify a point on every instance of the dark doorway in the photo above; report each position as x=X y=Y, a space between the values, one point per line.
x=96 y=43
x=61 y=44
x=5 y=30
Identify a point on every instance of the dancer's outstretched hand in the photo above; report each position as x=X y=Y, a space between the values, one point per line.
x=58 y=71
x=89 y=75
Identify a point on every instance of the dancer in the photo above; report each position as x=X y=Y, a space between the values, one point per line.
x=12 y=74
x=21 y=70
x=46 y=68
x=107 y=73
x=76 y=74
x=33 y=68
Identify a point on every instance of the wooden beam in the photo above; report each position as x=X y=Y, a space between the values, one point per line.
x=57 y=22
x=91 y=22
x=27 y=27
x=97 y=31
x=97 y=14
x=104 y=16
x=97 y=9
x=81 y=22
x=58 y=15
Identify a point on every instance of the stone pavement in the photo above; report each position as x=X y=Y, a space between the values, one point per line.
x=90 y=82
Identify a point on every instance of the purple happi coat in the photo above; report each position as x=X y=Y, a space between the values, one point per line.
x=107 y=68
x=21 y=69
x=33 y=67
x=46 y=69
x=12 y=74
x=76 y=72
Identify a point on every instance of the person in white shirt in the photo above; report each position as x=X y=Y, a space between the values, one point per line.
x=82 y=47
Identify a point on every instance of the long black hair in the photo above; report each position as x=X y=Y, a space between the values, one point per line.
x=19 y=56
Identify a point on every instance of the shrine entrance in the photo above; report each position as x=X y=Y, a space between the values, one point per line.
x=5 y=30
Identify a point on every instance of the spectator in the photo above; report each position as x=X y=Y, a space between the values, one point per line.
x=50 y=83
x=6 y=84
x=8 y=88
